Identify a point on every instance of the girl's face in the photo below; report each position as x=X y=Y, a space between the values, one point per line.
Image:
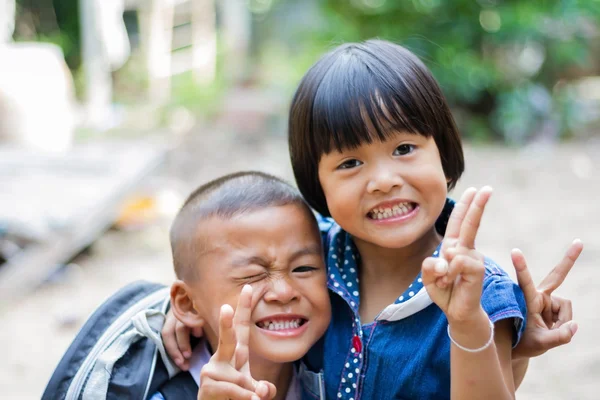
x=386 y=193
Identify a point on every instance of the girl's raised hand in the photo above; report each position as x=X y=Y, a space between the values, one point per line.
x=227 y=375
x=454 y=281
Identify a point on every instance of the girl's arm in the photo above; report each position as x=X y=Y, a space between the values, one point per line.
x=486 y=374
x=480 y=359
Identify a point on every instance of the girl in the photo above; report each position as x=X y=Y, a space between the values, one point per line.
x=375 y=150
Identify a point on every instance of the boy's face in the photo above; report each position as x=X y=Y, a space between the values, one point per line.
x=278 y=252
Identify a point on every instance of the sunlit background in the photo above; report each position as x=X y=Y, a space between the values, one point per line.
x=111 y=111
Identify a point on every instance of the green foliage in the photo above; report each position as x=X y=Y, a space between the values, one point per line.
x=497 y=61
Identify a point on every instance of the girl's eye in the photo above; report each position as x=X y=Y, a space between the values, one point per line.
x=404 y=149
x=304 y=268
x=349 y=164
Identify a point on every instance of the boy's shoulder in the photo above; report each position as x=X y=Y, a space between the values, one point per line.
x=119 y=348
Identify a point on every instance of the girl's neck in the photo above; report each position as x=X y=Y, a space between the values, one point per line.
x=386 y=273
x=280 y=374
x=404 y=263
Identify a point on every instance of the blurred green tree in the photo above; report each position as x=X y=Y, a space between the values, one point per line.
x=500 y=62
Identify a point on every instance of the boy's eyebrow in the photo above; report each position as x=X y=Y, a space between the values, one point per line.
x=244 y=261
x=307 y=251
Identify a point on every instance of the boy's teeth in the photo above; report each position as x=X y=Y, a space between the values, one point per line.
x=280 y=325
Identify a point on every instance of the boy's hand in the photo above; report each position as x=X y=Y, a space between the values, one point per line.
x=176 y=338
x=454 y=281
x=227 y=375
x=549 y=318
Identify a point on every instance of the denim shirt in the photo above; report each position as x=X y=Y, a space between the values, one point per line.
x=405 y=352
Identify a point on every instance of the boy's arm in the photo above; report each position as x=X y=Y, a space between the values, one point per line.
x=549 y=317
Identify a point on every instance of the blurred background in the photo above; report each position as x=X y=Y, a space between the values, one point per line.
x=112 y=111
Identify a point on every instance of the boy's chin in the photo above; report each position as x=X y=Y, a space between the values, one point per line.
x=281 y=353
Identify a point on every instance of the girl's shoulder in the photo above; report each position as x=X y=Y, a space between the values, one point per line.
x=502 y=298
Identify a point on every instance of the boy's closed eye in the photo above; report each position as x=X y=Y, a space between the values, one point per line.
x=305 y=269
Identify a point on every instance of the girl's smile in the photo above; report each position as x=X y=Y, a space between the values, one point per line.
x=388 y=193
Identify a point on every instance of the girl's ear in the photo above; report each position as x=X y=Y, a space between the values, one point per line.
x=182 y=305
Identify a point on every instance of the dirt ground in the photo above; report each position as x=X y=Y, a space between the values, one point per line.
x=544 y=197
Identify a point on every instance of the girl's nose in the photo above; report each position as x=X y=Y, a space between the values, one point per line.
x=281 y=290
x=383 y=178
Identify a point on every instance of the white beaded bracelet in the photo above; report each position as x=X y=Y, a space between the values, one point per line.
x=485 y=346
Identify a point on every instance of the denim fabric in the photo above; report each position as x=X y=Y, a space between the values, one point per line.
x=405 y=352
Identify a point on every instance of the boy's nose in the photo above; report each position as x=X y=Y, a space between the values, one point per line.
x=383 y=179
x=281 y=290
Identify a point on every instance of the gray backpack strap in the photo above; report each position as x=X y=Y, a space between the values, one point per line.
x=145 y=324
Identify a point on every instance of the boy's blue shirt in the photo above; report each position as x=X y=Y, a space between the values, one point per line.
x=405 y=352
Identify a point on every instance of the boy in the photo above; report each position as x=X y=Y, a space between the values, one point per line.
x=249 y=229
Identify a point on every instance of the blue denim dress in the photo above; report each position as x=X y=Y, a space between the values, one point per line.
x=405 y=352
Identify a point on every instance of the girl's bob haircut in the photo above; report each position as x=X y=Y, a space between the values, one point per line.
x=359 y=93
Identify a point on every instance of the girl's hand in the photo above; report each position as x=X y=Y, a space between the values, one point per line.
x=454 y=281
x=227 y=375
x=549 y=318
x=176 y=338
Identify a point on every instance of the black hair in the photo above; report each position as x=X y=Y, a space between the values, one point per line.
x=226 y=197
x=362 y=92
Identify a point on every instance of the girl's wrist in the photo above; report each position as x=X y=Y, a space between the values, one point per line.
x=472 y=333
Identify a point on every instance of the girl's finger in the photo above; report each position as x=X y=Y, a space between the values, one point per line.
x=472 y=220
x=457 y=216
x=182 y=334
x=227 y=341
x=432 y=269
x=470 y=269
x=558 y=274
x=169 y=338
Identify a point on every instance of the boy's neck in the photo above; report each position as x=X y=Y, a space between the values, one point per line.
x=279 y=374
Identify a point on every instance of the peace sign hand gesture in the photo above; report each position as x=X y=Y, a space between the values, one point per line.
x=227 y=375
x=549 y=317
x=454 y=281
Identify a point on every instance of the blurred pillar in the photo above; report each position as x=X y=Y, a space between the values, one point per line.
x=236 y=29
x=105 y=47
x=7 y=20
x=156 y=31
x=204 y=41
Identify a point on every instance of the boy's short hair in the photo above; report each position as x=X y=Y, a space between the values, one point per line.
x=362 y=92
x=226 y=197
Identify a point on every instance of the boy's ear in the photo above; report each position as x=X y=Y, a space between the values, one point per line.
x=182 y=305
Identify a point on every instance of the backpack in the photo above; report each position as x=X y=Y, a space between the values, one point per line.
x=119 y=354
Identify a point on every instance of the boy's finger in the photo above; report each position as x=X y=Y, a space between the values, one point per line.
x=266 y=390
x=523 y=276
x=456 y=218
x=558 y=274
x=227 y=342
x=472 y=220
x=241 y=323
x=223 y=372
x=228 y=390
x=562 y=310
